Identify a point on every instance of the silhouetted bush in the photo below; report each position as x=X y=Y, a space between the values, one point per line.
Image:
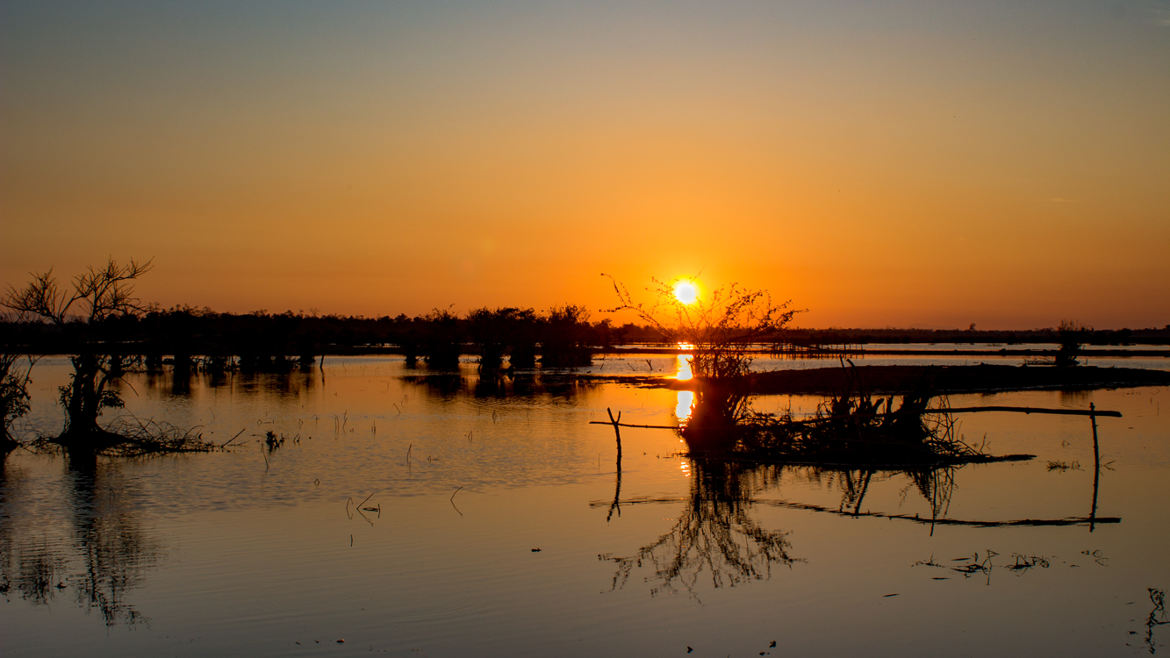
x=14 y=396
x=564 y=338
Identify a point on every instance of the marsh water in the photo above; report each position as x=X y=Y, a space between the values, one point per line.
x=414 y=514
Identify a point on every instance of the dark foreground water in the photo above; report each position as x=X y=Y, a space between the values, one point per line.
x=442 y=516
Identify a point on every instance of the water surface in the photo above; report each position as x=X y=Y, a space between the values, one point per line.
x=403 y=512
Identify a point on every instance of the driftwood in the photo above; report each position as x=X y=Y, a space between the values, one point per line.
x=1067 y=521
x=1091 y=412
x=645 y=427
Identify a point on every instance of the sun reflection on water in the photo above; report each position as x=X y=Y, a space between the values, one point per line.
x=685 y=406
x=683 y=367
x=686 y=399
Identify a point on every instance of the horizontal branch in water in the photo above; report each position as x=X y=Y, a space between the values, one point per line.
x=948 y=410
x=1031 y=410
x=1068 y=521
x=645 y=427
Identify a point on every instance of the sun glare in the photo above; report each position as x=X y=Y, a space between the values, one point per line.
x=686 y=292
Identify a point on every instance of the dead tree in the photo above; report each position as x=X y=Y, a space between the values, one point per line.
x=92 y=297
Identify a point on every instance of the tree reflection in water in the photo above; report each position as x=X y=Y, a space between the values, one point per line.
x=98 y=551
x=934 y=484
x=715 y=536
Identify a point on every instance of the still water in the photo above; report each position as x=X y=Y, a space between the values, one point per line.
x=420 y=515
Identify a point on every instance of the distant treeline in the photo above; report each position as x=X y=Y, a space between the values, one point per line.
x=562 y=336
x=559 y=337
x=833 y=337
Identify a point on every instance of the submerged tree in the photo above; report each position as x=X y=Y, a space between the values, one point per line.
x=722 y=330
x=98 y=295
x=1069 y=335
x=564 y=339
x=14 y=398
x=442 y=341
x=508 y=330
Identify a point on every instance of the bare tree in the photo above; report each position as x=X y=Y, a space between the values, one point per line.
x=722 y=330
x=1070 y=334
x=98 y=294
x=94 y=296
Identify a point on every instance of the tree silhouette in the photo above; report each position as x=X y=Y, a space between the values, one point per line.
x=721 y=329
x=14 y=397
x=93 y=297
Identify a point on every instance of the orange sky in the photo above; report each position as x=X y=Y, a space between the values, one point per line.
x=922 y=165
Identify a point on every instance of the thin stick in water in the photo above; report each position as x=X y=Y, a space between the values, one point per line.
x=225 y=443
x=452 y=499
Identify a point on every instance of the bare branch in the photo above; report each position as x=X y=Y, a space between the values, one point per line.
x=106 y=292
x=722 y=328
x=41 y=297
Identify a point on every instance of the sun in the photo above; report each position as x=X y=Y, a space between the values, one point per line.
x=686 y=291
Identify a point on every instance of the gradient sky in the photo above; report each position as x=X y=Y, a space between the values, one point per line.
x=882 y=164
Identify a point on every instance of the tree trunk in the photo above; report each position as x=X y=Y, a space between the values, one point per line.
x=82 y=400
